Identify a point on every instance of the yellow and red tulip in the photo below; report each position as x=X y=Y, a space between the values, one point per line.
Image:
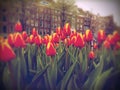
x=38 y=40
x=101 y=36
x=79 y=41
x=55 y=38
x=18 y=27
x=6 y=52
x=50 y=50
x=66 y=29
x=58 y=31
x=11 y=39
x=67 y=42
x=88 y=35
x=106 y=44
x=19 y=41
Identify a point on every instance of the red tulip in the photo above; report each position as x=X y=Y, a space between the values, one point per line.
x=73 y=39
x=18 y=27
x=79 y=41
x=73 y=33
x=38 y=40
x=1 y=39
x=66 y=29
x=11 y=39
x=50 y=50
x=19 y=41
x=31 y=39
x=110 y=39
x=34 y=32
x=62 y=36
x=91 y=55
x=101 y=36
x=24 y=35
x=88 y=35
x=55 y=38
x=6 y=52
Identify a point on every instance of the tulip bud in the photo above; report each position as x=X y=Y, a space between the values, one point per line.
x=66 y=29
x=50 y=50
x=34 y=32
x=6 y=52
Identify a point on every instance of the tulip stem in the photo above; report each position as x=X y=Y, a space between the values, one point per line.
x=12 y=75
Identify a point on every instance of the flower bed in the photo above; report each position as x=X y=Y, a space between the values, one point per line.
x=62 y=60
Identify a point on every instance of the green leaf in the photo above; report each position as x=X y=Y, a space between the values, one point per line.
x=67 y=76
x=101 y=79
x=93 y=75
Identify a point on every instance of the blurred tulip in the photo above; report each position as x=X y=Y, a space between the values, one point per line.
x=6 y=52
x=116 y=36
x=24 y=35
x=88 y=35
x=66 y=29
x=95 y=46
x=106 y=44
x=67 y=42
x=38 y=40
x=55 y=38
x=79 y=41
x=1 y=39
x=58 y=30
x=110 y=39
x=34 y=32
x=19 y=41
x=18 y=27
x=50 y=50
x=101 y=36
x=11 y=39
x=117 y=46
x=73 y=39
x=91 y=55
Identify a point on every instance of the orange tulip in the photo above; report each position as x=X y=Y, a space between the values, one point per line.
x=11 y=39
x=6 y=52
x=24 y=35
x=19 y=41
x=34 y=32
x=38 y=40
x=101 y=36
x=91 y=55
x=110 y=39
x=66 y=29
x=79 y=41
x=50 y=50
x=18 y=27
x=88 y=35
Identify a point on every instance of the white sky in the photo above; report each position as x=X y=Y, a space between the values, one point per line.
x=103 y=7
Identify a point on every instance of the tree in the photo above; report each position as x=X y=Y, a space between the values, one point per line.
x=66 y=8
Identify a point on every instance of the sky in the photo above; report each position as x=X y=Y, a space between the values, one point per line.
x=103 y=7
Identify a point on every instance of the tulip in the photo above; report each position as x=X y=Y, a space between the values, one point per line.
x=58 y=31
x=46 y=39
x=106 y=44
x=18 y=27
x=73 y=33
x=67 y=41
x=95 y=46
x=101 y=36
x=66 y=29
x=116 y=36
x=24 y=35
x=34 y=32
x=91 y=55
x=117 y=46
x=73 y=39
x=19 y=41
x=11 y=39
x=110 y=39
x=1 y=39
x=50 y=50
x=62 y=36
x=38 y=40
x=79 y=41
x=6 y=52
x=55 y=38
x=88 y=35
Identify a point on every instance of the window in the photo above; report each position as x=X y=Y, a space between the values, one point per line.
x=4 y=29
